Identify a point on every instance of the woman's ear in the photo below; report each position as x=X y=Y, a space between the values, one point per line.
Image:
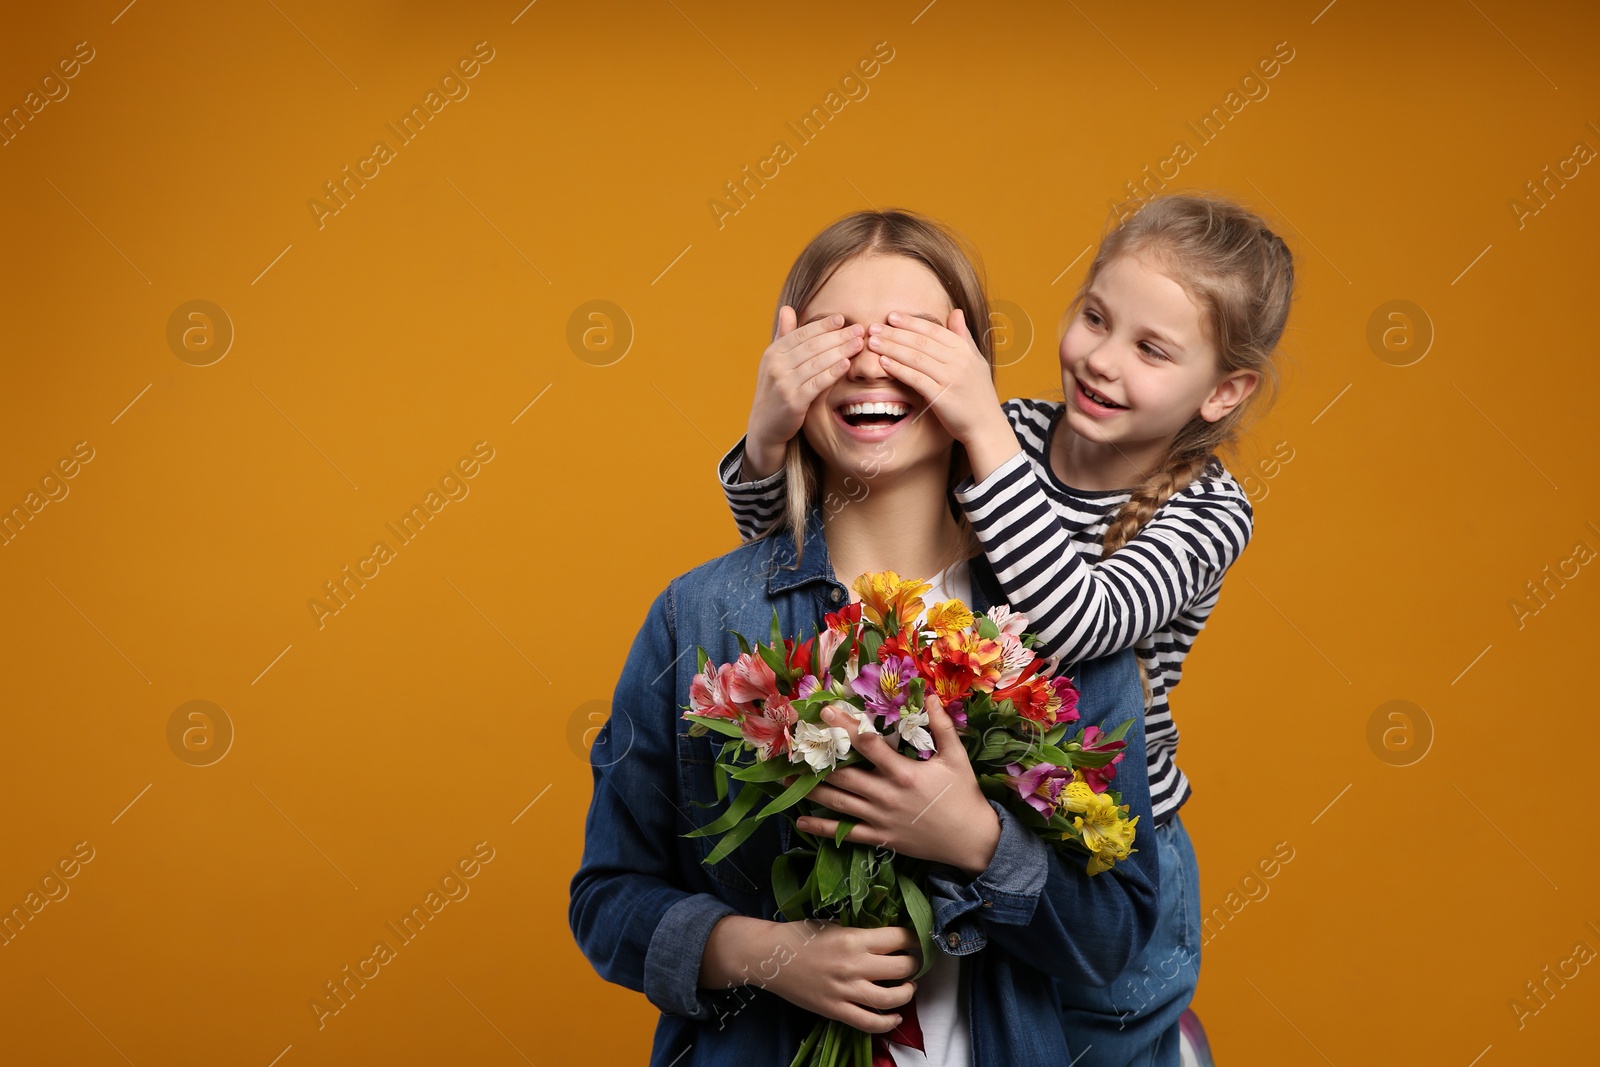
x=1228 y=394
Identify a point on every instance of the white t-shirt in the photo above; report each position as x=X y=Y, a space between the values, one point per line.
x=941 y=1009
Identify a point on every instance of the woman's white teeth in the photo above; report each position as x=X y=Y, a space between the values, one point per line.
x=876 y=408
x=1098 y=399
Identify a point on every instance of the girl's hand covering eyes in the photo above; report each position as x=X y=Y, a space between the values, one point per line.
x=797 y=367
x=943 y=364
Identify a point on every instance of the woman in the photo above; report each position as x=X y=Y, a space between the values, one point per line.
x=1009 y=912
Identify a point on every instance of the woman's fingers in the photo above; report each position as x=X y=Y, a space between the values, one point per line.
x=863 y=1019
x=946 y=741
x=890 y=968
x=883 y=997
x=860 y=833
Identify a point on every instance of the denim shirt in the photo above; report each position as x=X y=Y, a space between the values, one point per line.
x=643 y=902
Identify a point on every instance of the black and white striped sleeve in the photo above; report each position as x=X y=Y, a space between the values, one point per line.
x=755 y=505
x=1082 y=607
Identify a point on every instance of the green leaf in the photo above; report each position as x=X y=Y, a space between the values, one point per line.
x=860 y=876
x=777 y=628
x=784 y=884
x=1116 y=734
x=830 y=872
x=721 y=726
x=700 y=658
x=744 y=646
x=987 y=628
x=809 y=1043
x=845 y=826
x=765 y=771
x=840 y=655
x=732 y=840
x=737 y=810
x=774 y=659
x=921 y=915
x=870 y=640
x=793 y=795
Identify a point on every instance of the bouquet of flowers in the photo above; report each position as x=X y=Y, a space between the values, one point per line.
x=879 y=661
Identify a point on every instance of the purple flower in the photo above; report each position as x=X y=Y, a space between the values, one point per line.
x=883 y=686
x=1039 y=785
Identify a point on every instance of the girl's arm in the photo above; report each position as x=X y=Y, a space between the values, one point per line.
x=1080 y=606
x=754 y=503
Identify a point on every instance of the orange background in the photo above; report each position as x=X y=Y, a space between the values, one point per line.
x=455 y=689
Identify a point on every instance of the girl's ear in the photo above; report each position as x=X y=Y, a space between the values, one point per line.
x=1228 y=394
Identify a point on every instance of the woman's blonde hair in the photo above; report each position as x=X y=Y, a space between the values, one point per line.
x=1241 y=275
x=881 y=233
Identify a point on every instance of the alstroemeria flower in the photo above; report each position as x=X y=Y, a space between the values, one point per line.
x=708 y=693
x=1040 y=785
x=864 y=723
x=913 y=729
x=1011 y=623
x=828 y=642
x=808 y=685
x=1099 y=778
x=883 y=686
x=844 y=619
x=798 y=654
x=882 y=592
x=1104 y=832
x=821 y=747
x=768 y=731
x=1015 y=658
x=1063 y=705
x=751 y=679
x=948 y=617
x=963 y=662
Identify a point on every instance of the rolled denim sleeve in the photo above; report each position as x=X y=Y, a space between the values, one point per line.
x=629 y=910
x=1039 y=902
x=1007 y=891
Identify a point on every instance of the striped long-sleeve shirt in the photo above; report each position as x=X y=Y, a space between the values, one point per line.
x=1043 y=539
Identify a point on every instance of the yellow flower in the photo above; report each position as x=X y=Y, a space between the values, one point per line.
x=883 y=592
x=948 y=617
x=1102 y=826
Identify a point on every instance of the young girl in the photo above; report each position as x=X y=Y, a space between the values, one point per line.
x=1108 y=519
x=1009 y=912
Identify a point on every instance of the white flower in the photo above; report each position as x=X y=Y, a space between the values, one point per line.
x=863 y=719
x=912 y=730
x=1013 y=658
x=820 y=746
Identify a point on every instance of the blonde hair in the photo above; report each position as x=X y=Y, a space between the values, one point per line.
x=882 y=233
x=1241 y=275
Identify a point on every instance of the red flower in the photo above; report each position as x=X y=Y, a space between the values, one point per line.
x=798 y=655
x=844 y=618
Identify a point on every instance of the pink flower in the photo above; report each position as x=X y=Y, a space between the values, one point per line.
x=1039 y=785
x=768 y=730
x=1100 y=777
x=1063 y=699
x=751 y=679
x=708 y=693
